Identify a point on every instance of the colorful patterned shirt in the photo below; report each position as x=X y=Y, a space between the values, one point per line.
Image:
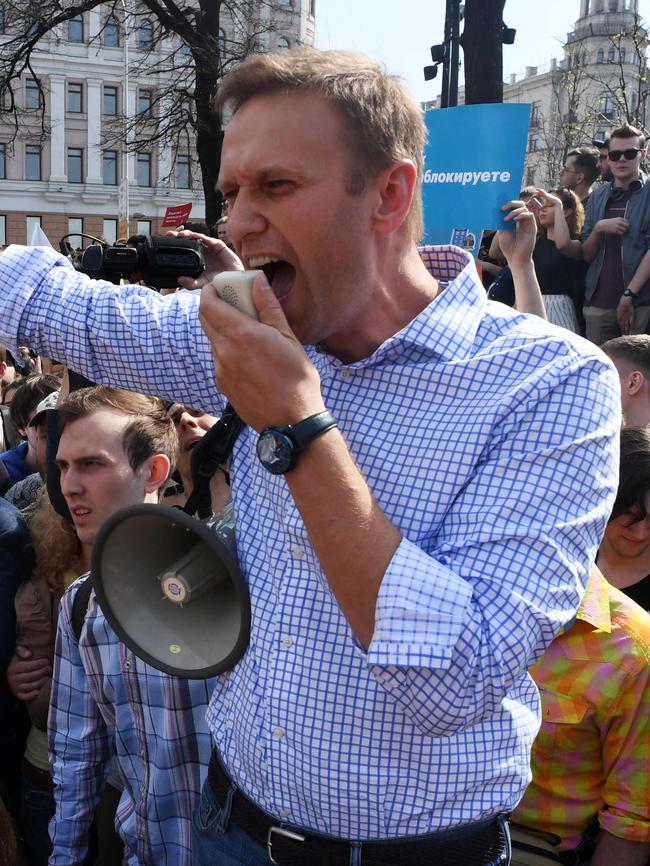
x=489 y=439
x=592 y=755
x=105 y=701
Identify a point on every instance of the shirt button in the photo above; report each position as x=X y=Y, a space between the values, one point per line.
x=298 y=552
x=284 y=813
x=345 y=374
x=127 y=665
x=278 y=733
x=287 y=642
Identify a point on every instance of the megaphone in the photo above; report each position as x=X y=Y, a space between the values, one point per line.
x=172 y=591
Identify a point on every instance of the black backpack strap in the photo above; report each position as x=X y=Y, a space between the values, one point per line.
x=5 y=480
x=207 y=455
x=80 y=606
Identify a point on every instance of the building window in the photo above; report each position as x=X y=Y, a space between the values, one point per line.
x=145 y=34
x=109 y=167
x=75 y=165
x=145 y=100
x=3 y=161
x=32 y=162
x=613 y=5
x=183 y=171
x=32 y=223
x=222 y=43
x=109 y=230
x=621 y=55
x=111 y=32
x=3 y=19
x=536 y=113
x=76 y=29
x=75 y=229
x=33 y=97
x=109 y=105
x=532 y=144
x=611 y=54
x=606 y=105
x=312 y=8
x=75 y=97
x=143 y=227
x=600 y=55
x=283 y=44
x=3 y=230
x=143 y=169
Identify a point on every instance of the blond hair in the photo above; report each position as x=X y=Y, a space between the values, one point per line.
x=383 y=120
x=56 y=545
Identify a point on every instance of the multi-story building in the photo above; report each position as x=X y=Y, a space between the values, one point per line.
x=92 y=77
x=602 y=79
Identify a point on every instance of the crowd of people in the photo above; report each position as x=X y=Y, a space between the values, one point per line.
x=592 y=255
x=440 y=504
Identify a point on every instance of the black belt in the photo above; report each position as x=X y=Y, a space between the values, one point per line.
x=291 y=846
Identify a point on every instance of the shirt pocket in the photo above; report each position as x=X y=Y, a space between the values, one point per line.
x=562 y=717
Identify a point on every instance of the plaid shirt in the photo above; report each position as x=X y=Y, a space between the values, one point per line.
x=489 y=438
x=104 y=702
x=591 y=757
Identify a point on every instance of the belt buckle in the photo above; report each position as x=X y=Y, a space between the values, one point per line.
x=294 y=837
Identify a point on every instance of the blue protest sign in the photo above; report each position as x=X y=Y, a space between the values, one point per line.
x=473 y=164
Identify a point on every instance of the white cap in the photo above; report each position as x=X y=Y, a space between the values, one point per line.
x=46 y=403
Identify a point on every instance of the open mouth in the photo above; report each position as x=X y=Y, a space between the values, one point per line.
x=278 y=272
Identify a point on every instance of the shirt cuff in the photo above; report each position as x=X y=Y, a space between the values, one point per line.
x=421 y=611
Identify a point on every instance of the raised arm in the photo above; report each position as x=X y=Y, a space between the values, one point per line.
x=517 y=247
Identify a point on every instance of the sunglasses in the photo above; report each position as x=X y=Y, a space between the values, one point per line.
x=630 y=153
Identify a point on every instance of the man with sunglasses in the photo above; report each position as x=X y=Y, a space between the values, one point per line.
x=616 y=241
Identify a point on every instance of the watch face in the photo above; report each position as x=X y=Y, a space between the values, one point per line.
x=275 y=451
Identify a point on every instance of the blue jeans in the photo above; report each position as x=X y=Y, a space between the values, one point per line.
x=36 y=811
x=217 y=841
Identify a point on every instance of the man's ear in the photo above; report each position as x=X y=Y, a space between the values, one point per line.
x=396 y=187
x=633 y=383
x=156 y=471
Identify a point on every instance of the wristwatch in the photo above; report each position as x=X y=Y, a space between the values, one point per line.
x=278 y=447
x=628 y=293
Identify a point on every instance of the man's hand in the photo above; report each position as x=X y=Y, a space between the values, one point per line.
x=614 y=226
x=517 y=246
x=26 y=675
x=261 y=367
x=625 y=314
x=218 y=257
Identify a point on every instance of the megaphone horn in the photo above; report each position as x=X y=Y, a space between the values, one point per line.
x=151 y=564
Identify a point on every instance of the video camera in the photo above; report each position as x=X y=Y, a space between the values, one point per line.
x=158 y=261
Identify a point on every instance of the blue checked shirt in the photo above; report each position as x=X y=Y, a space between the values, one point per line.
x=489 y=438
x=107 y=702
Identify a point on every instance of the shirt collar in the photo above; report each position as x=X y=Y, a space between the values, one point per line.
x=446 y=327
x=594 y=608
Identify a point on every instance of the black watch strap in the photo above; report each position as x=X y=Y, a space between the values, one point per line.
x=310 y=428
x=628 y=293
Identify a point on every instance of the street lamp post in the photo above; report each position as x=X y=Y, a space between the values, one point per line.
x=123 y=203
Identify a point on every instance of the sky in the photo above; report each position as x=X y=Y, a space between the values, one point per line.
x=401 y=32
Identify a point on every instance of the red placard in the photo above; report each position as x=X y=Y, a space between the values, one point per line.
x=177 y=215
